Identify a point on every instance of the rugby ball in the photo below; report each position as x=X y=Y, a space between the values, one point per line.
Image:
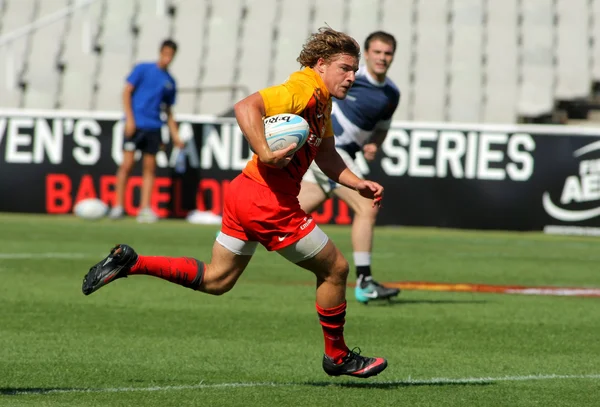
x=282 y=130
x=90 y=209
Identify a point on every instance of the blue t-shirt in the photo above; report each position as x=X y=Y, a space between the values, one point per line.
x=368 y=106
x=152 y=87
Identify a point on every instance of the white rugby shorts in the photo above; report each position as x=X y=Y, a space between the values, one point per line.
x=316 y=176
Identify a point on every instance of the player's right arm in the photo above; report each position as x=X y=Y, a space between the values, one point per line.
x=133 y=80
x=129 y=119
x=381 y=130
x=370 y=149
x=249 y=113
x=330 y=162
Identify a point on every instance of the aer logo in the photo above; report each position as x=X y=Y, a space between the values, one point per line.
x=581 y=188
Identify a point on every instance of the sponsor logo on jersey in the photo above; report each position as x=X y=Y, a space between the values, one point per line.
x=307 y=222
x=314 y=141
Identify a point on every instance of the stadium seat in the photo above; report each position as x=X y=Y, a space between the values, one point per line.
x=189 y=33
x=41 y=74
x=363 y=18
x=461 y=61
x=500 y=87
x=397 y=20
x=81 y=60
x=572 y=44
x=256 y=63
x=293 y=27
x=154 y=28
x=430 y=68
x=465 y=67
x=9 y=96
x=330 y=13
x=117 y=58
x=220 y=60
x=594 y=48
x=16 y=14
x=536 y=94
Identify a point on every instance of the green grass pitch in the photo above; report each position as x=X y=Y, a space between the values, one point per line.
x=144 y=342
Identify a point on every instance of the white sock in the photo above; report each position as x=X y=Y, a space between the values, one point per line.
x=362 y=259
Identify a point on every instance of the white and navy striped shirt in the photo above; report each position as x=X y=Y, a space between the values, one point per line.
x=368 y=106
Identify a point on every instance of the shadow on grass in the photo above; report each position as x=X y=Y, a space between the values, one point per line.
x=24 y=391
x=21 y=391
x=399 y=301
x=398 y=384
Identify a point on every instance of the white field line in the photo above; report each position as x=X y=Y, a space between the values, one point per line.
x=50 y=255
x=405 y=382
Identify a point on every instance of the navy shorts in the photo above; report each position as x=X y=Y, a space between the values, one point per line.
x=146 y=140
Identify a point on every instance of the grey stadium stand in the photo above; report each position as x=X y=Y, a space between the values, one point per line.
x=459 y=61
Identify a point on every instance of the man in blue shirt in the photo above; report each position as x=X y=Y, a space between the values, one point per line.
x=360 y=123
x=149 y=90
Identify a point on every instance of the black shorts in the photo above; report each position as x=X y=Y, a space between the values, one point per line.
x=146 y=140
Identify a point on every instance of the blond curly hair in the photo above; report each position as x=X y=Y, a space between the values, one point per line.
x=326 y=43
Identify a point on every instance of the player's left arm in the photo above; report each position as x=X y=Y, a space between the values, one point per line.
x=173 y=129
x=378 y=136
x=333 y=165
x=372 y=147
x=169 y=99
x=380 y=132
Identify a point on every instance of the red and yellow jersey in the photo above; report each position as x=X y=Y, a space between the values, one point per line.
x=304 y=94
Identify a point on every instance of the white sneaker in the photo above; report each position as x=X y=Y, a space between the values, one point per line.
x=204 y=218
x=147 y=215
x=116 y=212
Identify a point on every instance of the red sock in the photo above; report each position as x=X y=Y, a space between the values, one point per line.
x=184 y=271
x=332 y=320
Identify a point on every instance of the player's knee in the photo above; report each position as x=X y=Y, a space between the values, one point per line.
x=339 y=271
x=221 y=289
x=216 y=283
x=366 y=210
x=125 y=168
x=149 y=168
x=218 y=287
